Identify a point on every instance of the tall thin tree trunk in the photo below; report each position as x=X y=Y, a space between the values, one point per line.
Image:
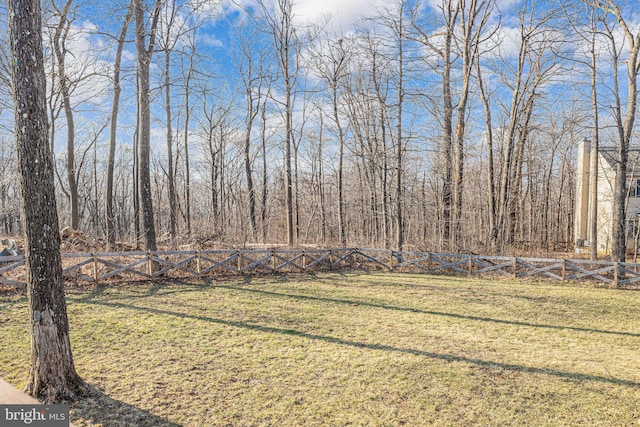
x=490 y=161
x=323 y=212
x=187 y=165
x=60 y=37
x=399 y=147
x=136 y=194
x=115 y=109
x=593 y=166
x=336 y=117
x=447 y=185
x=250 y=116
x=170 y=174
x=265 y=176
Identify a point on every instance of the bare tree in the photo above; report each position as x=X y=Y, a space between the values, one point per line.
x=331 y=62
x=173 y=28
x=145 y=45
x=591 y=37
x=52 y=376
x=59 y=44
x=396 y=22
x=187 y=120
x=624 y=122
x=285 y=40
x=536 y=63
x=113 y=129
x=443 y=48
x=460 y=38
x=491 y=179
x=251 y=68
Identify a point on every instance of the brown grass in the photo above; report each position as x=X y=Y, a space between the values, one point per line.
x=347 y=349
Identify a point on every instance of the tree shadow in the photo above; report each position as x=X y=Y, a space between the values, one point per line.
x=101 y=409
x=157 y=288
x=428 y=312
x=572 y=376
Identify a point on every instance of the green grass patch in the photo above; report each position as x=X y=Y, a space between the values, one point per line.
x=347 y=349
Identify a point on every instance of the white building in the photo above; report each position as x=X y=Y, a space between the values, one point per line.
x=606 y=175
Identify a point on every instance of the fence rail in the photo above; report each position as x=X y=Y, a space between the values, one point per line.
x=96 y=267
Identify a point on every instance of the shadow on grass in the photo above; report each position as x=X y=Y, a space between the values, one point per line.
x=157 y=288
x=429 y=312
x=380 y=347
x=101 y=409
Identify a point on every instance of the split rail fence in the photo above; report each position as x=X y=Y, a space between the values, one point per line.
x=99 y=267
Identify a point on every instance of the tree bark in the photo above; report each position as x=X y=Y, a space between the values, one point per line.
x=115 y=109
x=342 y=239
x=52 y=377
x=491 y=183
x=593 y=166
x=59 y=40
x=399 y=147
x=170 y=174
x=144 y=54
x=284 y=38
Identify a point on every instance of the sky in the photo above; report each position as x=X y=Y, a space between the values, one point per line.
x=94 y=52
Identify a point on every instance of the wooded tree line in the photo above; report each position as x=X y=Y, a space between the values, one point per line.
x=449 y=126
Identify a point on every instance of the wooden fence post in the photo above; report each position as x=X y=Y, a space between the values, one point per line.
x=616 y=274
x=274 y=263
x=304 y=259
x=198 y=263
x=564 y=270
x=95 y=267
x=239 y=261
x=331 y=259
x=515 y=267
x=469 y=266
x=149 y=263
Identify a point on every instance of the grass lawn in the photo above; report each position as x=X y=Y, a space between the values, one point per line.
x=347 y=349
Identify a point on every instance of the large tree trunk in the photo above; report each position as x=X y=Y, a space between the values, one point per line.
x=52 y=376
x=144 y=54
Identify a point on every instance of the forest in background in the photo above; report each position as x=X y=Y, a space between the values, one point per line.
x=448 y=125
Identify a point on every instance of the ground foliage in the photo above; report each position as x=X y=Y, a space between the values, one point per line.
x=346 y=349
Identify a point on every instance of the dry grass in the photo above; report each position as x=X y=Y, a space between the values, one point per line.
x=347 y=349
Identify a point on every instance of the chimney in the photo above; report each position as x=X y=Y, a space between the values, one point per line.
x=582 y=193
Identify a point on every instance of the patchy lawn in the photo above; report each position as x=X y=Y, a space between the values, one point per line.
x=347 y=349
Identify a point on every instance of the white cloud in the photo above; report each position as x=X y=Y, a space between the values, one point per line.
x=343 y=14
x=504 y=43
x=209 y=40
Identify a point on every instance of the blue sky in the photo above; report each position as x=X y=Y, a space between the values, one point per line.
x=90 y=46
